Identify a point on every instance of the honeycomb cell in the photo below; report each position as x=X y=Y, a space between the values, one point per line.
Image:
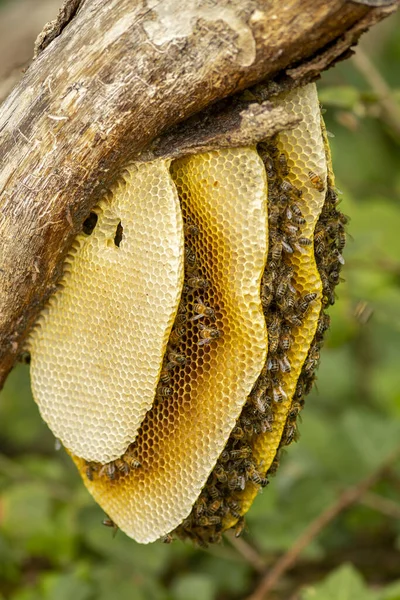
x=98 y=346
x=223 y=199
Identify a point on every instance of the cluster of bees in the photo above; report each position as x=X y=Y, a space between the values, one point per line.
x=329 y=241
x=284 y=308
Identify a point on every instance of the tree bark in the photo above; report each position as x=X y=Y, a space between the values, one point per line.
x=109 y=78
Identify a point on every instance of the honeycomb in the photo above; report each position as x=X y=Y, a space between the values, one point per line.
x=223 y=198
x=214 y=365
x=97 y=348
x=306 y=166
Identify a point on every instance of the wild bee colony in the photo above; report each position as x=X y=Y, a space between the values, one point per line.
x=173 y=361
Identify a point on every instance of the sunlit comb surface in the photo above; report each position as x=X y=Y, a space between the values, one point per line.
x=207 y=335
x=98 y=346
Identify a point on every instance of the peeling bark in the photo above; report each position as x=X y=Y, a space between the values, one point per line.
x=109 y=78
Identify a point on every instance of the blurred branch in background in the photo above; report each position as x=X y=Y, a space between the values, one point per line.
x=345 y=500
x=382 y=91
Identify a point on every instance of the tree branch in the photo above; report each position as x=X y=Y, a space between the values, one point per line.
x=112 y=79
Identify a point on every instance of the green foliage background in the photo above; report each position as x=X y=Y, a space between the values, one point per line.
x=52 y=543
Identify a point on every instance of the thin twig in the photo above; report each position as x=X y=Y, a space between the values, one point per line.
x=346 y=499
x=383 y=92
x=380 y=504
x=250 y=554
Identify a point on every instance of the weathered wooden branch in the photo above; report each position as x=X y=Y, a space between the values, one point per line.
x=111 y=77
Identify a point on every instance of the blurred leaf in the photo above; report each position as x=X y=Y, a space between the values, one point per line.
x=193 y=587
x=343 y=584
x=340 y=96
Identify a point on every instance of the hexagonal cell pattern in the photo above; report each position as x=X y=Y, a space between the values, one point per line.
x=98 y=346
x=223 y=196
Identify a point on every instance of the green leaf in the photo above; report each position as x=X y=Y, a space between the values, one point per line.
x=343 y=584
x=193 y=587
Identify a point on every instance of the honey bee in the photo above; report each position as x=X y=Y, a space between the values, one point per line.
x=266 y=298
x=288 y=188
x=305 y=302
x=290 y=434
x=294 y=411
x=286 y=246
x=181 y=319
x=316 y=181
x=341 y=240
x=296 y=210
x=299 y=392
x=274 y=323
x=290 y=229
x=287 y=303
x=237 y=433
x=234 y=508
x=202 y=311
x=258 y=480
x=285 y=340
x=190 y=230
x=122 y=466
x=240 y=527
x=214 y=506
x=336 y=255
x=176 y=336
x=208 y=334
x=320 y=248
x=244 y=452
x=224 y=456
x=273 y=215
x=258 y=399
x=190 y=260
x=213 y=491
x=278 y=394
x=283 y=166
x=110 y=523
x=220 y=473
x=132 y=460
x=182 y=308
x=303 y=241
x=273 y=365
x=334 y=277
x=273 y=342
x=200 y=506
x=276 y=253
x=211 y=520
x=284 y=365
x=311 y=361
x=163 y=392
x=175 y=359
x=109 y=470
x=90 y=470
x=266 y=424
x=165 y=376
x=323 y=324
x=196 y=282
x=236 y=481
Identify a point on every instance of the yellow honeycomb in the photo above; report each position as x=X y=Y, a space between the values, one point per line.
x=98 y=346
x=307 y=171
x=223 y=195
x=173 y=361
